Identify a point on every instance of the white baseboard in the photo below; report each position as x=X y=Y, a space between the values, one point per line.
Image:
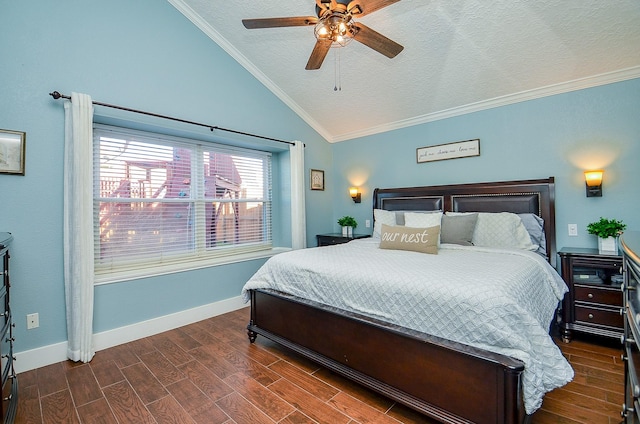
x=47 y=355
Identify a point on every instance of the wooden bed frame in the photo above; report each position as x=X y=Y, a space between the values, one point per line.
x=445 y=380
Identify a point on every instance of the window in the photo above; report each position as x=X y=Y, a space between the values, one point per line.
x=161 y=200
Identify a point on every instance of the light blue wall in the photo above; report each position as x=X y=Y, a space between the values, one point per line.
x=146 y=55
x=557 y=136
x=140 y=54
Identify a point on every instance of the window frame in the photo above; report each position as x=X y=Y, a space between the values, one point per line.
x=203 y=256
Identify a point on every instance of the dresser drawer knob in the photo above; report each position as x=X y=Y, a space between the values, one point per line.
x=590 y=316
x=636 y=391
x=590 y=295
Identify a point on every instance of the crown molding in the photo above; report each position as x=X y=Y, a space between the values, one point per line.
x=200 y=23
x=551 y=90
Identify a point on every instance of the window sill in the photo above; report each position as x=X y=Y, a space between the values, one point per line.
x=118 y=277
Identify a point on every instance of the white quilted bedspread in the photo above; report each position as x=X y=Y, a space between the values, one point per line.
x=499 y=300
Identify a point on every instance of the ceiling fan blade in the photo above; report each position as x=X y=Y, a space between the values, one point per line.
x=318 y=54
x=329 y=6
x=279 y=22
x=364 y=7
x=326 y=4
x=377 y=41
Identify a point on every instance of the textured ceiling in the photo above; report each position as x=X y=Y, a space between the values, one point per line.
x=459 y=56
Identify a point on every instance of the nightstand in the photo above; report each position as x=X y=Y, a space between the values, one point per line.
x=594 y=303
x=337 y=238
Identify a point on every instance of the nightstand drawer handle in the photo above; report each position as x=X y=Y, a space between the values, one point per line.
x=590 y=316
x=590 y=295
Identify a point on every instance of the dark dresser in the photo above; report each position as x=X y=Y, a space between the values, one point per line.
x=9 y=380
x=630 y=243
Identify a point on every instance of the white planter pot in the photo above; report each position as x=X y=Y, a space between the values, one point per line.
x=347 y=231
x=608 y=245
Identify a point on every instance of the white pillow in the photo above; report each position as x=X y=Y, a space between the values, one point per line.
x=380 y=216
x=502 y=230
x=423 y=220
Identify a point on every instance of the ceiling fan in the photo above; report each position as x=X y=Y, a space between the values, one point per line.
x=335 y=26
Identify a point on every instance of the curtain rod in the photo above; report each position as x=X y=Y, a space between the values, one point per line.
x=56 y=95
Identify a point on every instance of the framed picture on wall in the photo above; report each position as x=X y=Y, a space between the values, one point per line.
x=317 y=179
x=12 y=148
x=459 y=149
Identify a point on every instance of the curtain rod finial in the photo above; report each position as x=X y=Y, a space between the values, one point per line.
x=55 y=95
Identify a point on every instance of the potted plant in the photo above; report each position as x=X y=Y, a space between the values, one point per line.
x=607 y=231
x=348 y=223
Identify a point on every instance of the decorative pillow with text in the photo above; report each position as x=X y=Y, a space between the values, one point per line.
x=424 y=240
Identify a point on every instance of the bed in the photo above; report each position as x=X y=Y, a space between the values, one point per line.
x=446 y=379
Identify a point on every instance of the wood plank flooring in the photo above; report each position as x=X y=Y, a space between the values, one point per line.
x=208 y=372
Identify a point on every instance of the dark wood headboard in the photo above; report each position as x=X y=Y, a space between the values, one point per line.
x=525 y=196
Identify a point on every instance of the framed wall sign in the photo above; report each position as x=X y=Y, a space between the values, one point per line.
x=12 y=149
x=317 y=179
x=459 y=149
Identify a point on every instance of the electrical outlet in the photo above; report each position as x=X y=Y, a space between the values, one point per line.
x=33 y=321
x=573 y=230
x=367 y=223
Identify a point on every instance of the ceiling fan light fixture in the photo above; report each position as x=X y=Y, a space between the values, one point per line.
x=337 y=27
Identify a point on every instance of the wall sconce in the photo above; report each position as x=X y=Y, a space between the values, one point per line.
x=594 y=183
x=355 y=194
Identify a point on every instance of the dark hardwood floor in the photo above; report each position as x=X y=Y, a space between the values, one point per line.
x=208 y=372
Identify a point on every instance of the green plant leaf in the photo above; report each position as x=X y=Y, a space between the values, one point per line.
x=347 y=221
x=606 y=227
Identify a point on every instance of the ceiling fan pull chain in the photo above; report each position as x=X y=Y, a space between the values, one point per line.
x=337 y=77
x=339 y=72
x=335 y=70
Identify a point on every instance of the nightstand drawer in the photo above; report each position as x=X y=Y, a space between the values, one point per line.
x=337 y=238
x=610 y=318
x=605 y=262
x=593 y=294
x=330 y=240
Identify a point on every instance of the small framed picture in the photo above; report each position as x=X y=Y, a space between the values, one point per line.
x=12 y=148
x=317 y=179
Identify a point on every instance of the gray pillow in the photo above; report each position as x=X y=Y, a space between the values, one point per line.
x=458 y=229
x=535 y=227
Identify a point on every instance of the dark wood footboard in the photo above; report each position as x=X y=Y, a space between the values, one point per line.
x=447 y=381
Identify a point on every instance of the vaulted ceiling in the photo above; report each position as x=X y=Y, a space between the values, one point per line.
x=459 y=56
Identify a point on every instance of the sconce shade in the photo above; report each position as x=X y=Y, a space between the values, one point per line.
x=593 y=181
x=355 y=195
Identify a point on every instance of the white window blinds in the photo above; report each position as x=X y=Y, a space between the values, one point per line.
x=161 y=200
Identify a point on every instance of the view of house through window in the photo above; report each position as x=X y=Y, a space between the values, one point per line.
x=161 y=200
